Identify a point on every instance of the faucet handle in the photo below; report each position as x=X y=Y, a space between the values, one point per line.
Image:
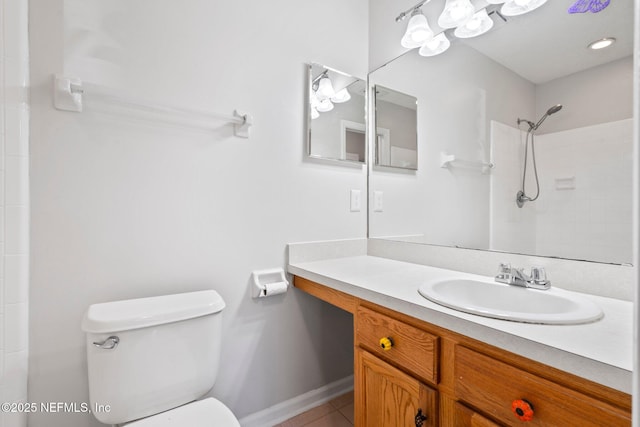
x=539 y=278
x=504 y=273
x=505 y=268
x=538 y=274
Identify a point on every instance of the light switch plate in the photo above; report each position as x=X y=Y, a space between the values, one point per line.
x=356 y=201
x=377 y=201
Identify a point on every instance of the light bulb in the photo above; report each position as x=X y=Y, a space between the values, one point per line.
x=435 y=46
x=455 y=13
x=341 y=96
x=479 y=24
x=417 y=32
x=325 y=89
x=473 y=24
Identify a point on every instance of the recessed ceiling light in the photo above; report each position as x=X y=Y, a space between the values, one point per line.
x=602 y=43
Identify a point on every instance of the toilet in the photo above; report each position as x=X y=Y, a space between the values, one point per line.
x=151 y=359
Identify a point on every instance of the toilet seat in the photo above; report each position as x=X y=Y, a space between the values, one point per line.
x=201 y=413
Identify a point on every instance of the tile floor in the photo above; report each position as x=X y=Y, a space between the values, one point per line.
x=335 y=413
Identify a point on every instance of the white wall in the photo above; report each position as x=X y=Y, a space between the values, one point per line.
x=14 y=206
x=598 y=95
x=123 y=209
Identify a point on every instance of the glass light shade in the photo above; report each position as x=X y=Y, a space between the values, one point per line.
x=520 y=7
x=341 y=96
x=495 y=1
x=314 y=113
x=325 y=105
x=325 y=89
x=435 y=46
x=418 y=31
x=479 y=23
x=455 y=13
x=313 y=99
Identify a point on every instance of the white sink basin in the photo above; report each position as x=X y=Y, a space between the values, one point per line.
x=500 y=301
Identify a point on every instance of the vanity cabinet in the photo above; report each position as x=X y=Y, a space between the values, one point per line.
x=499 y=389
x=409 y=372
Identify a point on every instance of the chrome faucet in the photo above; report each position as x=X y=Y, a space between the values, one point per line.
x=517 y=277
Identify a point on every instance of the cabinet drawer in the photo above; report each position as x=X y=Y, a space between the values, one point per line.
x=492 y=386
x=412 y=348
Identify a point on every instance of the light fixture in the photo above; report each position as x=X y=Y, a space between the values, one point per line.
x=479 y=24
x=324 y=105
x=325 y=89
x=341 y=96
x=602 y=43
x=461 y=15
x=455 y=13
x=314 y=113
x=435 y=46
x=418 y=30
x=520 y=7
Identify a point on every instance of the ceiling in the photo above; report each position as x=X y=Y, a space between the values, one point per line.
x=549 y=43
x=540 y=46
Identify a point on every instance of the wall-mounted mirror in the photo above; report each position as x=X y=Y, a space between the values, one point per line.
x=396 y=142
x=336 y=115
x=471 y=98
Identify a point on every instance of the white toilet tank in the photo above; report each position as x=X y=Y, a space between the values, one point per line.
x=165 y=352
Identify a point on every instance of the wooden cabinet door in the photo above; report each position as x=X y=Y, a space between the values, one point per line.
x=386 y=396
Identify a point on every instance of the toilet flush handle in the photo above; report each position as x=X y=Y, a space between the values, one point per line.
x=108 y=344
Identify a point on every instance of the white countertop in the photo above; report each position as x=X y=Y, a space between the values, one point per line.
x=599 y=351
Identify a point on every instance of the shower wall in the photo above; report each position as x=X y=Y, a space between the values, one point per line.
x=14 y=206
x=506 y=220
x=584 y=208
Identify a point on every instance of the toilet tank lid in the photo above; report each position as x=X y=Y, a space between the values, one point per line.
x=144 y=312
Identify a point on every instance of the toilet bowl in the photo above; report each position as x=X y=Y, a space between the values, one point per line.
x=151 y=360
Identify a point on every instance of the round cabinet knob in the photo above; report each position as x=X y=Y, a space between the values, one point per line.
x=522 y=409
x=386 y=343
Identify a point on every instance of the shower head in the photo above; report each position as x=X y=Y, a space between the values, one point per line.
x=549 y=112
x=554 y=109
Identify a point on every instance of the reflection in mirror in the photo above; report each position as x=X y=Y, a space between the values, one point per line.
x=396 y=142
x=336 y=115
x=471 y=98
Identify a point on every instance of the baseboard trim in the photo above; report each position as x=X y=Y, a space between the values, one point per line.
x=297 y=405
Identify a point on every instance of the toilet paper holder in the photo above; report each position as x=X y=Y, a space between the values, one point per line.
x=269 y=282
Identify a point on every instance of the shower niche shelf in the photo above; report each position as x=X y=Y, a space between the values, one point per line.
x=450 y=161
